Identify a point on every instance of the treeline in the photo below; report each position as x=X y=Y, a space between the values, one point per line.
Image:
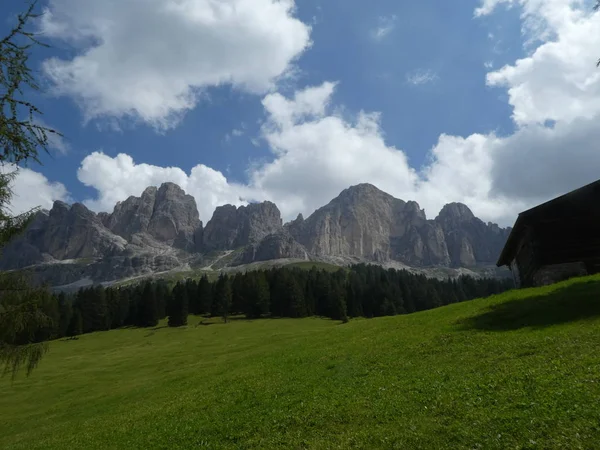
x=361 y=291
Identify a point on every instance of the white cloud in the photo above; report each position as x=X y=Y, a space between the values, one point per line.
x=488 y=6
x=421 y=76
x=150 y=60
x=117 y=178
x=497 y=177
x=538 y=163
x=308 y=103
x=31 y=189
x=386 y=25
x=559 y=80
x=318 y=152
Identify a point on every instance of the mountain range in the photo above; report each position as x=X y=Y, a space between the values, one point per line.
x=160 y=231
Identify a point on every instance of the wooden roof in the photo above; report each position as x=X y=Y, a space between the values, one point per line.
x=580 y=203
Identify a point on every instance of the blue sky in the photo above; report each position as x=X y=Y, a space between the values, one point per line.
x=443 y=130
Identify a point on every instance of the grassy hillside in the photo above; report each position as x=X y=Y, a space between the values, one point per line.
x=519 y=370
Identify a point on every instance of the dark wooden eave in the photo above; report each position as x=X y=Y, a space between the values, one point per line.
x=582 y=202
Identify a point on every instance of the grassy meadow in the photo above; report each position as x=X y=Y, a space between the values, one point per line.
x=519 y=370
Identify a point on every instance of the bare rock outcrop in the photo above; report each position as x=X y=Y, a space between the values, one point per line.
x=279 y=245
x=161 y=231
x=167 y=214
x=232 y=227
x=470 y=241
x=368 y=223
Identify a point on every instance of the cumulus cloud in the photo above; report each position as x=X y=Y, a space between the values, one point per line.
x=31 y=189
x=115 y=179
x=320 y=153
x=306 y=104
x=317 y=152
x=559 y=80
x=151 y=60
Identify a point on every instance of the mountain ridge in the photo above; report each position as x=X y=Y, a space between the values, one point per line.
x=161 y=231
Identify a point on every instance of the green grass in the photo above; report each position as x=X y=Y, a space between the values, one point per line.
x=519 y=370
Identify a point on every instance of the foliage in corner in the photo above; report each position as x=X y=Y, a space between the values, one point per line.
x=21 y=136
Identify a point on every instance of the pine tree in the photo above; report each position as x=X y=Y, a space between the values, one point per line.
x=295 y=298
x=76 y=325
x=117 y=302
x=205 y=296
x=338 y=305
x=257 y=297
x=65 y=312
x=387 y=308
x=178 y=306
x=239 y=291
x=94 y=310
x=148 y=308
x=192 y=296
x=223 y=297
x=262 y=295
x=21 y=137
x=163 y=297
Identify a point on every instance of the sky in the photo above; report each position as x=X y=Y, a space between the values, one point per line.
x=492 y=103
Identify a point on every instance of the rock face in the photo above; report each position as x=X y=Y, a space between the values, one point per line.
x=367 y=223
x=66 y=232
x=469 y=239
x=167 y=214
x=232 y=227
x=146 y=234
x=274 y=246
x=160 y=231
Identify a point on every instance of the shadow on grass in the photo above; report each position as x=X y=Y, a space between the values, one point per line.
x=569 y=304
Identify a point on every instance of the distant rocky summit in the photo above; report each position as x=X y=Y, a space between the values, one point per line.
x=160 y=231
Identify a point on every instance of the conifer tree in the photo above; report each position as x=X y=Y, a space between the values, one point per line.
x=76 y=325
x=262 y=295
x=205 y=295
x=66 y=313
x=148 y=308
x=21 y=137
x=223 y=297
x=294 y=298
x=178 y=306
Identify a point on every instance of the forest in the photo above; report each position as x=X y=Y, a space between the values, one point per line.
x=359 y=291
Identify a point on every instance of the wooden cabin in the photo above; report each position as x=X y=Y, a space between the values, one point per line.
x=556 y=240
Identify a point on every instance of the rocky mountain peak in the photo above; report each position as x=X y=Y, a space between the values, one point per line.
x=455 y=212
x=232 y=227
x=166 y=213
x=170 y=189
x=361 y=192
x=413 y=209
x=175 y=217
x=59 y=207
x=160 y=230
x=150 y=191
x=470 y=241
